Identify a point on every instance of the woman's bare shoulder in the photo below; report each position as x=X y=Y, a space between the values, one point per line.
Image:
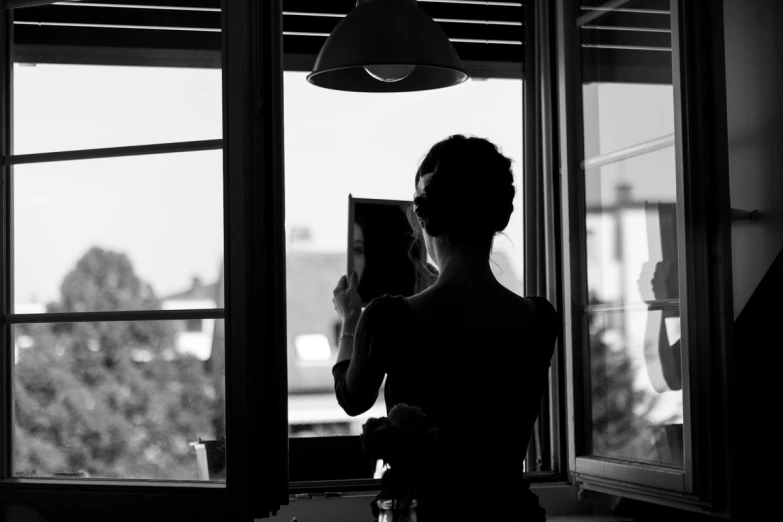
x=498 y=309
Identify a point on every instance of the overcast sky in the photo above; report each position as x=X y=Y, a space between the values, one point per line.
x=165 y=211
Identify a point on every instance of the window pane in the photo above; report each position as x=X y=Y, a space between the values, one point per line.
x=144 y=80
x=636 y=386
x=94 y=227
x=611 y=106
x=630 y=170
x=631 y=229
x=68 y=107
x=369 y=146
x=120 y=400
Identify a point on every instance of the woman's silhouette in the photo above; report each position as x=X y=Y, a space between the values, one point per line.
x=471 y=354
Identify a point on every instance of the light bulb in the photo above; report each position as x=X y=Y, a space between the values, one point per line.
x=389 y=73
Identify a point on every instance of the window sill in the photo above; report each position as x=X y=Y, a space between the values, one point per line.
x=559 y=500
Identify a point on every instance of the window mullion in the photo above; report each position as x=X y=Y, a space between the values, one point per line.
x=129 y=315
x=256 y=367
x=573 y=233
x=115 y=152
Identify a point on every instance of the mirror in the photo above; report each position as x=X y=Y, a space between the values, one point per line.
x=383 y=250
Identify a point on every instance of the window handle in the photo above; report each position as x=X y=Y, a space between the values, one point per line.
x=744 y=215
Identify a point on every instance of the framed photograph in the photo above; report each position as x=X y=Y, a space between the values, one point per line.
x=384 y=250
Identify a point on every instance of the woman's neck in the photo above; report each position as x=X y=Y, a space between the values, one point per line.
x=465 y=268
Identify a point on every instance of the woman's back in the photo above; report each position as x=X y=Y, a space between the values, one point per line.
x=471 y=354
x=479 y=377
x=482 y=307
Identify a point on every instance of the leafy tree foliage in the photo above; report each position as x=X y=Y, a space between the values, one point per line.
x=621 y=409
x=108 y=399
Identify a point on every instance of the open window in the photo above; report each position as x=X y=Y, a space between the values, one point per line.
x=369 y=146
x=647 y=321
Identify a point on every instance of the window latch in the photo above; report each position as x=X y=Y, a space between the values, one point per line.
x=744 y=215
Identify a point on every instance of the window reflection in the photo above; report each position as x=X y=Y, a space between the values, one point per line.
x=636 y=410
x=631 y=226
x=629 y=167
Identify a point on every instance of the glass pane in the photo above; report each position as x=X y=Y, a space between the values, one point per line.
x=637 y=406
x=69 y=107
x=611 y=106
x=141 y=82
x=632 y=229
x=95 y=227
x=369 y=146
x=121 y=400
x=630 y=170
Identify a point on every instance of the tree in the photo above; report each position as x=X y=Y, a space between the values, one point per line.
x=620 y=409
x=109 y=399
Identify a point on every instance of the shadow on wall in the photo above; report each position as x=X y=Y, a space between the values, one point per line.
x=757 y=363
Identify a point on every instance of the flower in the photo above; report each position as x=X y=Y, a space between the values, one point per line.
x=405 y=440
x=404 y=416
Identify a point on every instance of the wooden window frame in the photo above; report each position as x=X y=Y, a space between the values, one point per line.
x=704 y=266
x=256 y=390
x=541 y=262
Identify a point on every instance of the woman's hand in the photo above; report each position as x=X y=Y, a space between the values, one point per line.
x=347 y=301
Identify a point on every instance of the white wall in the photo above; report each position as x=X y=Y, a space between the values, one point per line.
x=754 y=89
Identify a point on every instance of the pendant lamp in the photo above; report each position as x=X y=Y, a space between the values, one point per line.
x=387 y=46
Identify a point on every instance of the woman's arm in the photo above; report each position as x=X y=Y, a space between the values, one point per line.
x=346 y=337
x=359 y=371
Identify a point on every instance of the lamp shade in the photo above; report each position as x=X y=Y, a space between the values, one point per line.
x=387 y=46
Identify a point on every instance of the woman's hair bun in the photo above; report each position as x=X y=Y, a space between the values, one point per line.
x=431 y=221
x=471 y=191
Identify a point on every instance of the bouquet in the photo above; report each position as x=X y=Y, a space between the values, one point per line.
x=406 y=442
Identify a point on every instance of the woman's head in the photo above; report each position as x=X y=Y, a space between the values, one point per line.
x=464 y=192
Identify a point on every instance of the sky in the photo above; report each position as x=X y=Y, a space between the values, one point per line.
x=165 y=211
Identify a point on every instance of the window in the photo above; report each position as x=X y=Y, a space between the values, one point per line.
x=149 y=154
x=109 y=235
x=369 y=146
x=632 y=310
x=119 y=344
x=641 y=169
x=242 y=312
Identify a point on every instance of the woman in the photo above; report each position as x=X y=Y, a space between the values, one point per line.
x=471 y=354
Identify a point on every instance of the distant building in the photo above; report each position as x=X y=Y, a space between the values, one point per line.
x=312 y=325
x=22 y=342
x=194 y=336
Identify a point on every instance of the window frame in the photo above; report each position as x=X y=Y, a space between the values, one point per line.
x=255 y=386
x=541 y=254
x=703 y=217
x=253 y=114
x=532 y=101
